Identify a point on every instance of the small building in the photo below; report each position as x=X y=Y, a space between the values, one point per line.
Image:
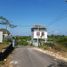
x=4 y=34
x=1 y=36
x=39 y=34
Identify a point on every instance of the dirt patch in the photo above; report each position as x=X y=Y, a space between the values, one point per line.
x=2 y=64
x=62 y=53
x=7 y=62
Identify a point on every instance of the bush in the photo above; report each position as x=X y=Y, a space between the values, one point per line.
x=22 y=40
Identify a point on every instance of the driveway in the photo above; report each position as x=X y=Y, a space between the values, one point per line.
x=29 y=57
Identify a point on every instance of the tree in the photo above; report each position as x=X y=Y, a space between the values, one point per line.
x=6 y=22
x=65 y=0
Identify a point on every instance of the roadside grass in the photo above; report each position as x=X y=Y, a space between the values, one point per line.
x=3 y=46
x=2 y=63
x=56 y=48
x=56 y=43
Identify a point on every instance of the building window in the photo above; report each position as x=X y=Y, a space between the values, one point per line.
x=38 y=33
x=35 y=40
x=42 y=34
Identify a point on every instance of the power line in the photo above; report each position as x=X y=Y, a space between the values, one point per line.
x=58 y=18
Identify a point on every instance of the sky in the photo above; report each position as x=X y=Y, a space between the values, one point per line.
x=25 y=13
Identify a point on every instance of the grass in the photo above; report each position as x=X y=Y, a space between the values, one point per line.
x=57 y=48
x=3 y=46
x=1 y=63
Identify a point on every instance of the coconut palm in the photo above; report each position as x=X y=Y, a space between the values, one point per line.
x=65 y=0
x=12 y=26
x=4 y=21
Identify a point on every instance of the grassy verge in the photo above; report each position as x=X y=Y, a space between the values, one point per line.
x=1 y=63
x=56 y=48
x=3 y=46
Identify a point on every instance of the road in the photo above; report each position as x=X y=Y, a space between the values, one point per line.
x=28 y=57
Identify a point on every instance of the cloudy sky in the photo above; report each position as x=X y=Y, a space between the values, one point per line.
x=26 y=13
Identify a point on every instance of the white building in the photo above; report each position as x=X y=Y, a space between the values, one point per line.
x=1 y=36
x=39 y=33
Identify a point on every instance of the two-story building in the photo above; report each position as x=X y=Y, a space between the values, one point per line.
x=39 y=34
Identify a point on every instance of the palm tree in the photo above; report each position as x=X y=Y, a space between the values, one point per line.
x=4 y=21
x=12 y=26
x=65 y=0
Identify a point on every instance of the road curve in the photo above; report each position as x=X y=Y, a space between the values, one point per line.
x=28 y=57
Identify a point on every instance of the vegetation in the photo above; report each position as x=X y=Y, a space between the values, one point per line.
x=6 y=22
x=23 y=40
x=1 y=63
x=56 y=42
x=61 y=40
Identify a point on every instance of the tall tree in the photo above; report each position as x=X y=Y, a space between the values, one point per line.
x=6 y=22
x=65 y=0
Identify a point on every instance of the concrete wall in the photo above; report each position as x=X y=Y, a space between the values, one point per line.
x=40 y=36
x=1 y=37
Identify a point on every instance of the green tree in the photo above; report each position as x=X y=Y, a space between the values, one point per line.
x=6 y=22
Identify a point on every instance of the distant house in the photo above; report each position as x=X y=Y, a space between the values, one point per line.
x=39 y=33
x=5 y=33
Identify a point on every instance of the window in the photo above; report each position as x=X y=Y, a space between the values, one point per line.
x=42 y=34
x=38 y=33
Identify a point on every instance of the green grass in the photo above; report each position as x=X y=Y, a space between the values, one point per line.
x=1 y=63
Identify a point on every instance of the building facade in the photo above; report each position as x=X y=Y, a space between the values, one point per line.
x=39 y=35
x=1 y=36
x=4 y=34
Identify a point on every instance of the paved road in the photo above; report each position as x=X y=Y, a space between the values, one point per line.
x=28 y=57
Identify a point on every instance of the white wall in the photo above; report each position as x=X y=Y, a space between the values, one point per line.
x=45 y=36
x=35 y=34
x=5 y=35
x=1 y=37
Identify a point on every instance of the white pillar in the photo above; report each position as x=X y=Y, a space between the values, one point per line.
x=1 y=36
x=45 y=36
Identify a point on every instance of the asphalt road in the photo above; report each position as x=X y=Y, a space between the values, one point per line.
x=28 y=57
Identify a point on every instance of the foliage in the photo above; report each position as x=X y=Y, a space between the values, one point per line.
x=5 y=21
x=22 y=40
x=59 y=42
x=1 y=63
x=61 y=39
x=43 y=46
x=47 y=45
